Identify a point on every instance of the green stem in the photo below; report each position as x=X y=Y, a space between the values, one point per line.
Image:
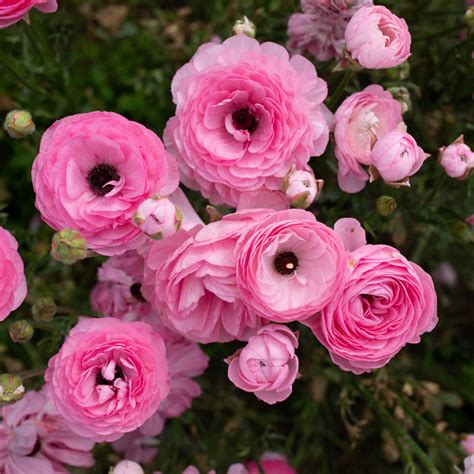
x=42 y=326
x=18 y=77
x=436 y=187
x=336 y=96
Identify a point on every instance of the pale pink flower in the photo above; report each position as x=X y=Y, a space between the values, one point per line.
x=384 y=302
x=12 y=275
x=377 y=38
x=93 y=171
x=12 y=11
x=319 y=30
x=395 y=157
x=468 y=444
x=137 y=447
x=109 y=377
x=190 y=280
x=457 y=159
x=263 y=199
x=469 y=465
x=128 y=467
x=245 y=112
x=351 y=233
x=362 y=119
x=302 y=188
x=34 y=438
x=289 y=266
x=158 y=217
x=267 y=365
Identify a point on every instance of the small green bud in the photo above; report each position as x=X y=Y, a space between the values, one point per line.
x=68 y=246
x=21 y=331
x=11 y=388
x=385 y=205
x=244 y=27
x=19 y=124
x=44 y=309
x=399 y=73
x=469 y=16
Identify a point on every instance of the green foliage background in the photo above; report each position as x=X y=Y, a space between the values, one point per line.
x=406 y=417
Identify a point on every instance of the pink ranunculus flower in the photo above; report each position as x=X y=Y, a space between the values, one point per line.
x=245 y=112
x=377 y=38
x=351 y=232
x=127 y=467
x=469 y=465
x=12 y=275
x=109 y=377
x=362 y=119
x=190 y=280
x=457 y=159
x=319 y=30
x=302 y=188
x=267 y=365
x=468 y=444
x=384 y=302
x=289 y=266
x=93 y=171
x=395 y=157
x=34 y=438
x=271 y=463
x=12 y=11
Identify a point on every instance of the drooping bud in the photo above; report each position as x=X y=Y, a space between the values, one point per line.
x=11 y=388
x=158 y=217
x=127 y=467
x=68 y=246
x=244 y=27
x=21 y=331
x=403 y=96
x=19 y=124
x=44 y=309
x=385 y=205
x=301 y=187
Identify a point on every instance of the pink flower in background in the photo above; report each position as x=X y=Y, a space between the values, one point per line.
x=34 y=438
x=319 y=30
x=351 y=233
x=267 y=365
x=384 y=303
x=289 y=266
x=469 y=465
x=302 y=188
x=190 y=281
x=12 y=275
x=362 y=119
x=109 y=377
x=93 y=171
x=272 y=463
x=457 y=159
x=468 y=444
x=12 y=11
x=395 y=157
x=245 y=112
x=127 y=467
x=137 y=447
x=377 y=38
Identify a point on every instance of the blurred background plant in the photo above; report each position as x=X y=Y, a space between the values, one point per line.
x=121 y=56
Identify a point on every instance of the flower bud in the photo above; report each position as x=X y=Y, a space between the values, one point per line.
x=244 y=27
x=11 y=388
x=469 y=16
x=457 y=159
x=21 y=331
x=68 y=246
x=19 y=124
x=44 y=309
x=158 y=217
x=403 y=96
x=385 y=205
x=301 y=188
x=399 y=73
x=213 y=213
x=127 y=467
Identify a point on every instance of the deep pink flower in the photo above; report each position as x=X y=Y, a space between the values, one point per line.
x=289 y=266
x=93 y=171
x=190 y=280
x=395 y=157
x=109 y=377
x=377 y=38
x=362 y=119
x=34 y=438
x=12 y=11
x=457 y=159
x=245 y=112
x=385 y=302
x=267 y=365
x=12 y=275
x=319 y=30
x=272 y=463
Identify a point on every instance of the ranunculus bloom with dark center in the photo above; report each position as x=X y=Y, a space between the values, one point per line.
x=245 y=113
x=12 y=275
x=93 y=171
x=384 y=303
x=109 y=377
x=12 y=11
x=289 y=266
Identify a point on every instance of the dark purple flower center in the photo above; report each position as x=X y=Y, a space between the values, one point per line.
x=136 y=291
x=286 y=263
x=101 y=380
x=99 y=176
x=244 y=119
x=36 y=448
